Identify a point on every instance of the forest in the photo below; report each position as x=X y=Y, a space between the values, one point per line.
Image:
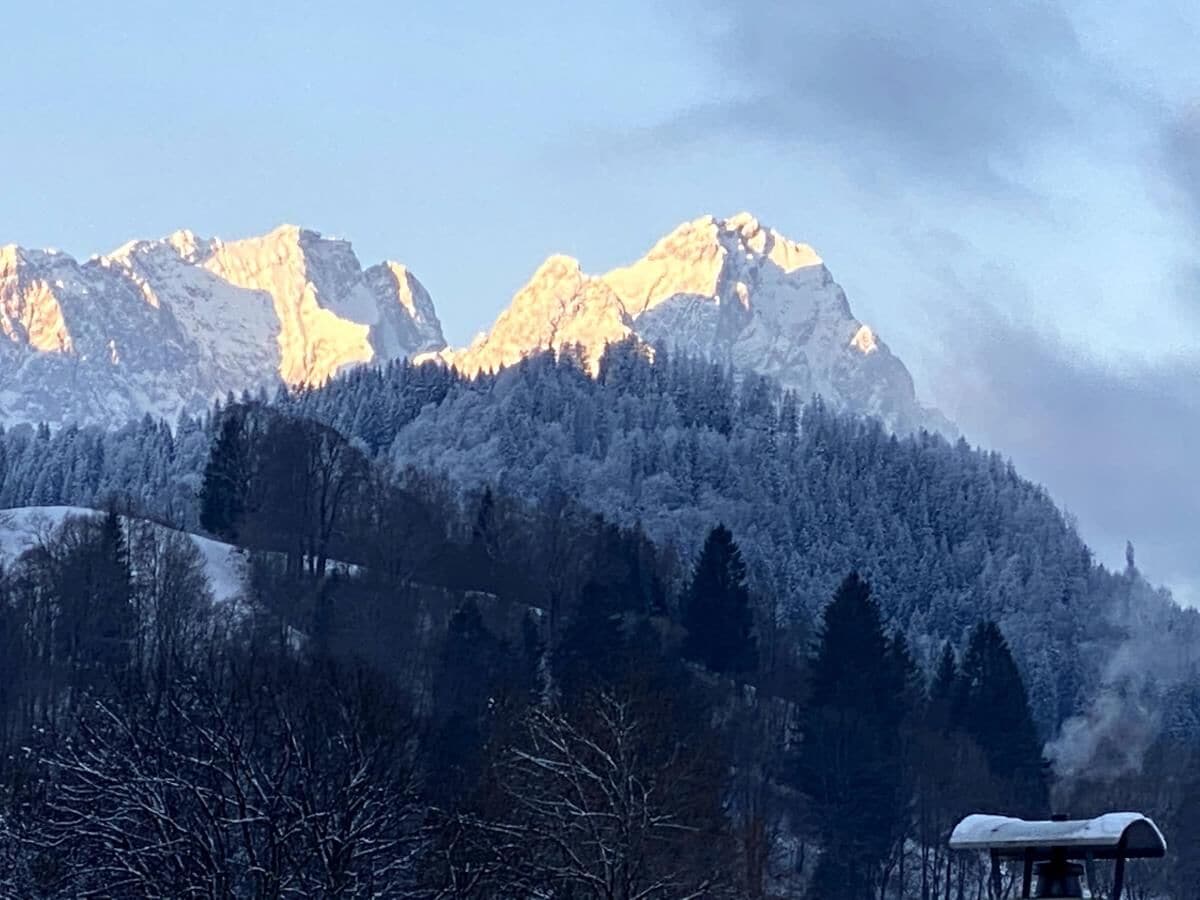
x=659 y=634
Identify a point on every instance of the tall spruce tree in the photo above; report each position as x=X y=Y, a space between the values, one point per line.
x=472 y=670
x=993 y=709
x=485 y=533
x=716 y=609
x=226 y=477
x=850 y=763
x=95 y=622
x=113 y=614
x=943 y=689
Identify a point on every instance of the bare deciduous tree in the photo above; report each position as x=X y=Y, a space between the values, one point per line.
x=307 y=478
x=599 y=802
x=212 y=799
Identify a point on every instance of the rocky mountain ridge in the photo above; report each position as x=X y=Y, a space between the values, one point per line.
x=733 y=290
x=168 y=325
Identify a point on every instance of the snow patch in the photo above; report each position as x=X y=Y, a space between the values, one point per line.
x=864 y=340
x=22 y=529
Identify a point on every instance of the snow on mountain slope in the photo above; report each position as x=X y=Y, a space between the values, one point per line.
x=559 y=306
x=731 y=289
x=321 y=300
x=21 y=529
x=164 y=326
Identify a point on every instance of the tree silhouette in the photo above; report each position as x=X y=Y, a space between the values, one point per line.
x=993 y=708
x=851 y=762
x=716 y=609
x=227 y=477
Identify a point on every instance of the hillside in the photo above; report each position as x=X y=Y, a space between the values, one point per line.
x=545 y=529
x=22 y=528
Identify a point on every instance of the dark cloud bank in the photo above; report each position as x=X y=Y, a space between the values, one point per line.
x=946 y=90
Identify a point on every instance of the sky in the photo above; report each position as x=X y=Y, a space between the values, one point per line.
x=1009 y=193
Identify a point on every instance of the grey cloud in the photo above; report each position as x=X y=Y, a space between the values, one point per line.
x=1118 y=447
x=951 y=90
x=1180 y=158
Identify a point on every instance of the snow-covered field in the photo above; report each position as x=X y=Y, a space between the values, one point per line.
x=21 y=528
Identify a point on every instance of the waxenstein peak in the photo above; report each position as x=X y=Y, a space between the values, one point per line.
x=168 y=325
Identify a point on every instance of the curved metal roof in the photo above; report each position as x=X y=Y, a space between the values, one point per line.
x=1128 y=834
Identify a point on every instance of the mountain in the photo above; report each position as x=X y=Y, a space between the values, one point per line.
x=168 y=325
x=733 y=290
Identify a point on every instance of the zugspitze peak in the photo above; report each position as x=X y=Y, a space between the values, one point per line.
x=731 y=289
x=169 y=325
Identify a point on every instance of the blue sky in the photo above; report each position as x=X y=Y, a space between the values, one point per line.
x=1010 y=194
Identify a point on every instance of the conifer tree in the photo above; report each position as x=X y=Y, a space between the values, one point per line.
x=470 y=675
x=943 y=689
x=95 y=622
x=226 y=477
x=905 y=673
x=113 y=615
x=592 y=654
x=993 y=709
x=485 y=533
x=851 y=762
x=716 y=609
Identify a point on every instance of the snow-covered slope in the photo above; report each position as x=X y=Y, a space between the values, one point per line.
x=167 y=325
x=732 y=289
x=22 y=528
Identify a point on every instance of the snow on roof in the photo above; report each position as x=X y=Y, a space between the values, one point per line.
x=1128 y=834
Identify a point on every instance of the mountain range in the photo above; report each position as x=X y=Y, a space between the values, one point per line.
x=167 y=326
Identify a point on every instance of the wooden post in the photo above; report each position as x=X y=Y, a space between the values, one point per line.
x=1119 y=875
x=1027 y=877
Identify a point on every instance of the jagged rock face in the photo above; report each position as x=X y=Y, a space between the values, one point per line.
x=164 y=326
x=731 y=289
x=559 y=307
x=410 y=324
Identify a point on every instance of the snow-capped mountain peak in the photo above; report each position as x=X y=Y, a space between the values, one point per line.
x=187 y=244
x=409 y=324
x=160 y=326
x=559 y=307
x=731 y=289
